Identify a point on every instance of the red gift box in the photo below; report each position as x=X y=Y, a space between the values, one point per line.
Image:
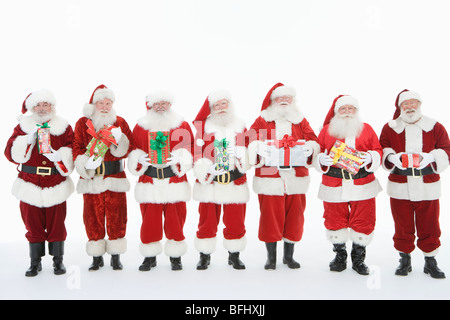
x=410 y=160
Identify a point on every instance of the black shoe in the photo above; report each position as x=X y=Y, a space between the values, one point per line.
x=56 y=249
x=58 y=265
x=147 y=264
x=175 y=263
x=288 y=256
x=432 y=269
x=233 y=260
x=97 y=263
x=204 y=261
x=405 y=265
x=115 y=262
x=271 y=262
x=37 y=250
x=358 y=255
x=339 y=263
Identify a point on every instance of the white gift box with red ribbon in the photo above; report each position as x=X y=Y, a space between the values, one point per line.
x=286 y=152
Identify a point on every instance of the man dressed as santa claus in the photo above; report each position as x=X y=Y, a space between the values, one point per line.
x=220 y=163
x=102 y=140
x=281 y=189
x=43 y=184
x=163 y=188
x=349 y=199
x=416 y=149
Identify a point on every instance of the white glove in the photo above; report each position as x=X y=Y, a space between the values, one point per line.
x=307 y=150
x=32 y=136
x=174 y=159
x=54 y=156
x=212 y=170
x=117 y=133
x=427 y=158
x=395 y=160
x=91 y=164
x=367 y=159
x=325 y=160
x=144 y=160
x=263 y=149
x=239 y=152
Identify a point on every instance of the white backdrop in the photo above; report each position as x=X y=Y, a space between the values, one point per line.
x=369 y=49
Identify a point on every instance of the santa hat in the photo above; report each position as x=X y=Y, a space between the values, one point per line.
x=403 y=96
x=100 y=93
x=338 y=102
x=278 y=90
x=35 y=97
x=158 y=96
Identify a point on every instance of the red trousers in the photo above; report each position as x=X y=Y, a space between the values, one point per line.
x=152 y=221
x=422 y=216
x=109 y=207
x=357 y=215
x=281 y=217
x=44 y=224
x=233 y=219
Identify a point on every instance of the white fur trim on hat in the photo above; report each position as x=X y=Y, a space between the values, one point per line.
x=158 y=96
x=42 y=95
x=103 y=93
x=217 y=95
x=407 y=95
x=346 y=100
x=283 y=91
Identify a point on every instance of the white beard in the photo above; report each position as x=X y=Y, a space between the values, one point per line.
x=222 y=120
x=162 y=121
x=284 y=112
x=41 y=119
x=412 y=117
x=345 y=127
x=100 y=120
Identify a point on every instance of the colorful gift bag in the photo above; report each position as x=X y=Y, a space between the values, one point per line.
x=159 y=147
x=286 y=152
x=410 y=160
x=43 y=138
x=221 y=156
x=100 y=142
x=346 y=157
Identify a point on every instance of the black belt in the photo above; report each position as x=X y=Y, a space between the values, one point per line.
x=159 y=173
x=343 y=174
x=413 y=172
x=42 y=171
x=228 y=176
x=109 y=167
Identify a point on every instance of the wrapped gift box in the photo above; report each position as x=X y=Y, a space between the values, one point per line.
x=221 y=156
x=43 y=139
x=159 y=147
x=100 y=142
x=346 y=157
x=286 y=152
x=410 y=160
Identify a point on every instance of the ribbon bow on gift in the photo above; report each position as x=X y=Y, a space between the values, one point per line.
x=158 y=144
x=221 y=143
x=338 y=152
x=286 y=143
x=104 y=135
x=43 y=126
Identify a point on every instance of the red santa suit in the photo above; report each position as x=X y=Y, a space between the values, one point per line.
x=281 y=193
x=162 y=189
x=415 y=195
x=229 y=191
x=42 y=187
x=104 y=189
x=349 y=201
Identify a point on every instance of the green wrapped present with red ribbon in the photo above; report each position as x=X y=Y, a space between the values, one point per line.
x=43 y=138
x=100 y=142
x=159 y=147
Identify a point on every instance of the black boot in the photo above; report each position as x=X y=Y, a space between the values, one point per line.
x=288 y=256
x=115 y=262
x=405 y=265
x=204 y=261
x=358 y=255
x=56 y=249
x=147 y=264
x=432 y=269
x=97 y=263
x=175 y=263
x=339 y=263
x=233 y=260
x=271 y=262
x=37 y=250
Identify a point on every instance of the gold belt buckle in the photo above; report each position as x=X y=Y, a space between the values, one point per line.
x=160 y=173
x=100 y=171
x=224 y=178
x=43 y=171
x=349 y=174
x=414 y=174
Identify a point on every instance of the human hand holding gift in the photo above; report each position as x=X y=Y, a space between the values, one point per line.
x=427 y=158
x=93 y=163
x=53 y=156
